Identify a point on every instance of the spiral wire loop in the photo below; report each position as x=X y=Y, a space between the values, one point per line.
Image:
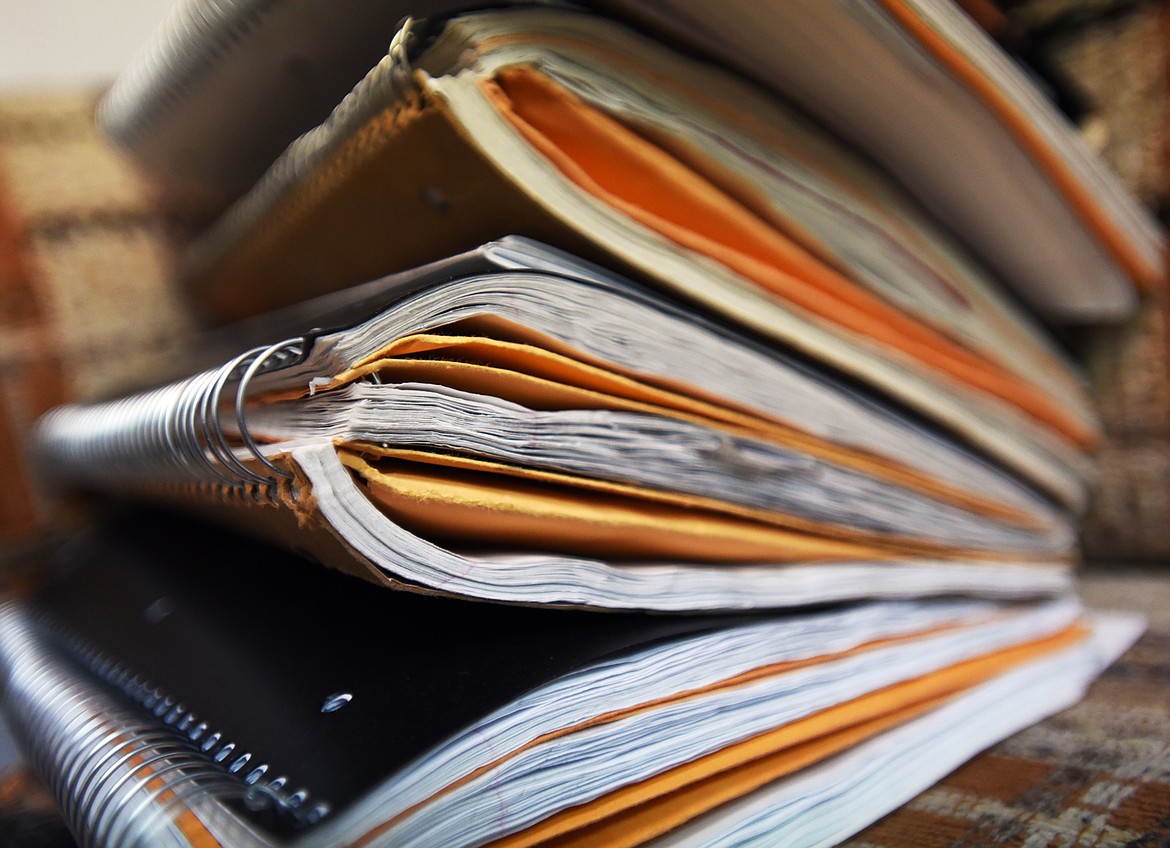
x=124 y=771
x=176 y=433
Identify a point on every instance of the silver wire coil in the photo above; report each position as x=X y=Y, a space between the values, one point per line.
x=193 y=431
x=123 y=774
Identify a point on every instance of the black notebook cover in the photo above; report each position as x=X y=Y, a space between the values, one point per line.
x=256 y=642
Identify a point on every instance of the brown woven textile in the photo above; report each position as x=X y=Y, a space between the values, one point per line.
x=1130 y=518
x=1122 y=63
x=86 y=306
x=1119 y=61
x=1095 y=775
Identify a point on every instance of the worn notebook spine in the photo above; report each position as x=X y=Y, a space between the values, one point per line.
x=127 y=764
x=192 y=432
x=389 y=85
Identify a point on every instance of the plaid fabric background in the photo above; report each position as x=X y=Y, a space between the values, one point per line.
x=86 y=304
x=1120 y=61
x=1094 y=776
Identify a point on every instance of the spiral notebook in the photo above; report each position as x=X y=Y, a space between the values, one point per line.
x=182 y=687
x=991 y=156
x=572 y=129
x=517 y=425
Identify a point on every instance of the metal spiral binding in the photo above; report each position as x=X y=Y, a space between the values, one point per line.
x=123 y=777
x=175 y=434
x=211 y=743
x=197 y=39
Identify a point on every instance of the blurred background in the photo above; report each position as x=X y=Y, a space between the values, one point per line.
x=72 y=42
x=85 y=250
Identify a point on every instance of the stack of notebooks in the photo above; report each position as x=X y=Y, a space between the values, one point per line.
x=560 y=315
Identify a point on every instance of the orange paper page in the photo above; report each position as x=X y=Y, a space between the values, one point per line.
x=540 y=379
x=484 y=510
x=639 y=812
x=834 y=166
x=749 y=676
x=193 y=830
x=1108 y=231
x=616 y=165
x=894 y=547
x=608 y=824
x=743 y=766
